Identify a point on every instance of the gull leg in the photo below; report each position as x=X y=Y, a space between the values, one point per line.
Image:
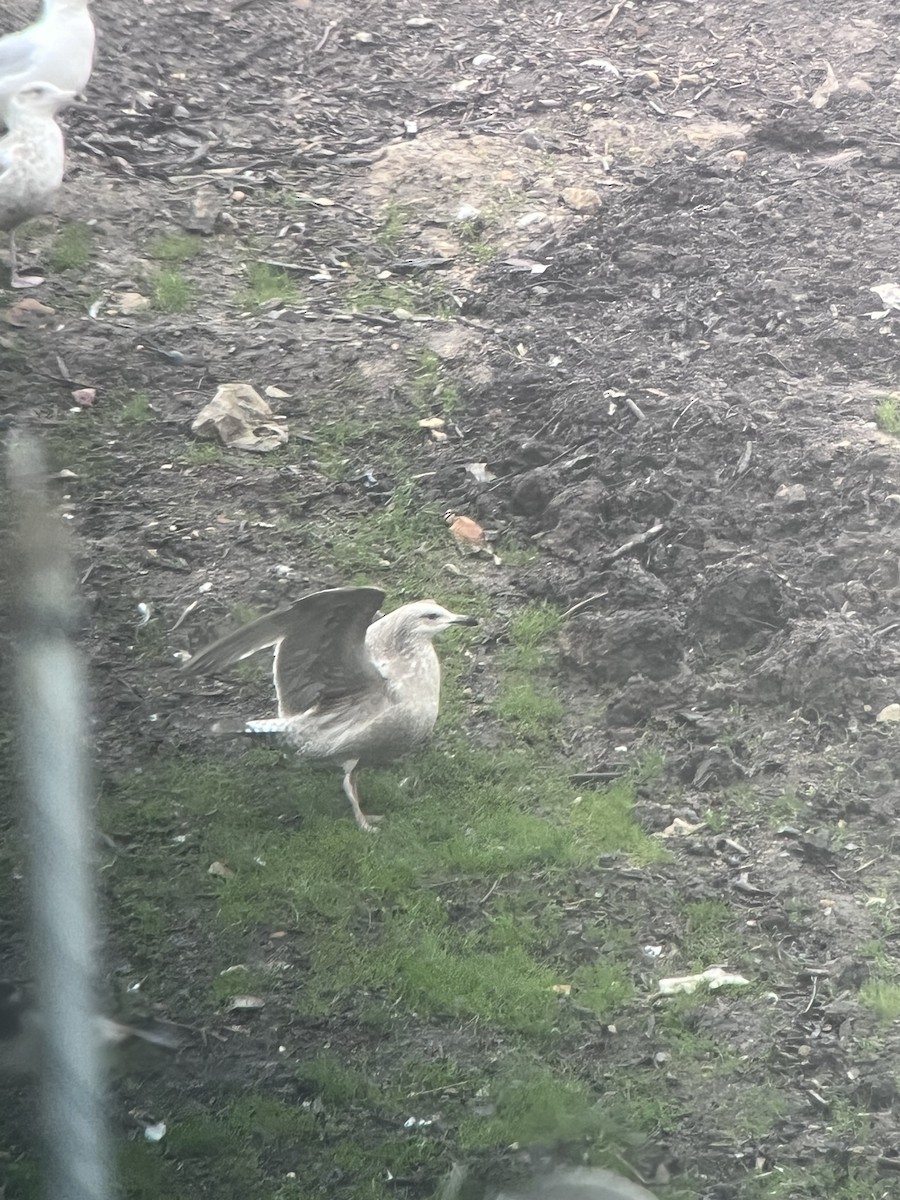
x=15 y=279
x=351 y=791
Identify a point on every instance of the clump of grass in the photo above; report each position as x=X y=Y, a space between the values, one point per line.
x=882 y=996
x=394 y=226
x=175 y=247
x=379 y=293
x=887 y=414
x=202 y=454
x=265 y=283
x=534 y=1106
x=530 y=710
x=71 y=247
x=330 y=1079
x=531 y=632
x=428 y=387
x=603 y=987
x=709 y=932
x=136 y=410
x=172 y=291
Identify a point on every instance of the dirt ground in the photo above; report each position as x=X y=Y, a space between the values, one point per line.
x=625 y=252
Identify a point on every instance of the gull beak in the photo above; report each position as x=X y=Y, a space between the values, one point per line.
x=463 y=620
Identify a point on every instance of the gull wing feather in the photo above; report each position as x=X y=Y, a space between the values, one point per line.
x=18 y=52
x=320 y=648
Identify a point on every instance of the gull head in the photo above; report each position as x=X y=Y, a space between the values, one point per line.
x=427 y=618
x=38 y=99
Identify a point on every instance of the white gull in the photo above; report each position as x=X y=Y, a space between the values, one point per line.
x=58 y=48
x=32 y=159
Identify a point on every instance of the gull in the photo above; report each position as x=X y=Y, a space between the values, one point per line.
x=32 y=159
x=58 y=48
x=20 y=1032
x=351 y=690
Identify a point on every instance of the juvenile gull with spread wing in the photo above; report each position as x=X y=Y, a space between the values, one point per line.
x=32 y=161
x=351 y=690
x=58 y=48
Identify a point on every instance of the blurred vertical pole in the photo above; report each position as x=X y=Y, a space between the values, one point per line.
x=53 y=707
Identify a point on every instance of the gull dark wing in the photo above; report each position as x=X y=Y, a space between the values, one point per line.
x=265 y=631
x=321 y=647
x=323 y=656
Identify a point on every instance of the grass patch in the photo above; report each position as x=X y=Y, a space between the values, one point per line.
x=378 y=293
x=887 y=414
x=394 y=227
x=135 y=411
x=534 y=1106
x=71 y=247
x=172 y=291
x=265 y=283
x=373 y=909
x=882 y=996
x=530 y=710
x=175 y=247
x=202 y=454
x=429 y=390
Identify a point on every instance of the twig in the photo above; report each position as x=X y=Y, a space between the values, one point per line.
x=744 y=461
x=632 y=407
x=616 y=9
x=683 y=411
x=329 y=29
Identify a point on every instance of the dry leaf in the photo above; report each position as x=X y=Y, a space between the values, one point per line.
x=246 y=1004
x=432 y=423
x=464 y=530
x=562 y=989
x=276 y=393
x=85 y=397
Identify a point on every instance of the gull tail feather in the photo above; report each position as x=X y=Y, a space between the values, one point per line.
x=273 y=728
